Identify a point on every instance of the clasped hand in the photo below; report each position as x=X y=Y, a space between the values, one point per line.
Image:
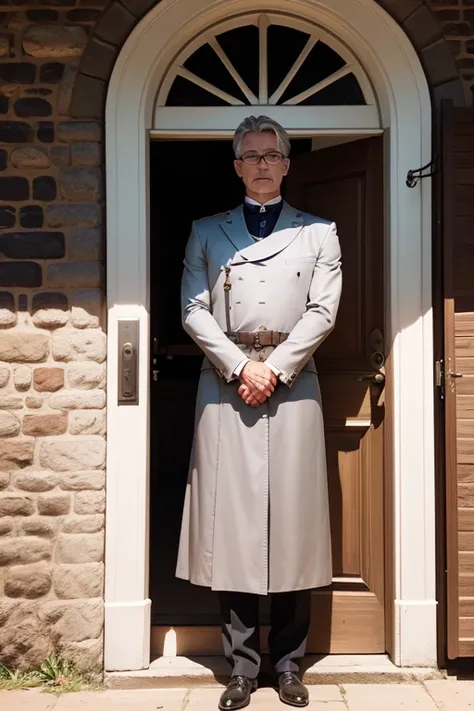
x=257 y=383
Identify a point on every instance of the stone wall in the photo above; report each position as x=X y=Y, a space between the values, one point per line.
x=52 y=345
x=55 y=60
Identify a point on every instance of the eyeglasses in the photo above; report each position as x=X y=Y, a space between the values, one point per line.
x=271 y=158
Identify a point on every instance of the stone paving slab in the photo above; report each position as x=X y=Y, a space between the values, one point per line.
x=143 y=700
x=389 y=697
x=452 y=695
x=445 y=695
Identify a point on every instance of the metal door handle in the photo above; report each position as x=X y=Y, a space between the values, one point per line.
x=373 y=378
x=455 y=375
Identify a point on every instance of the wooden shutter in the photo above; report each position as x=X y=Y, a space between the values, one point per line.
x=457 y=218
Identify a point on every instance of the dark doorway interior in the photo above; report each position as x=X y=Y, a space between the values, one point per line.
x=188 y=180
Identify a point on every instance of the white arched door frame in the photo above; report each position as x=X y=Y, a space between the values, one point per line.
x=404 y=102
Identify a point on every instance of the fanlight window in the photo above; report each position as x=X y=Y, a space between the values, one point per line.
x=266 y=59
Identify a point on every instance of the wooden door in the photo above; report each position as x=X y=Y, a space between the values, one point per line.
x=345 y=184
x=457 y=381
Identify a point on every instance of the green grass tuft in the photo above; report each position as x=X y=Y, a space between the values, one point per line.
x=55 y=675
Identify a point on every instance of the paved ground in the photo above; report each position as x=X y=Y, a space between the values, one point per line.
x=444 y=695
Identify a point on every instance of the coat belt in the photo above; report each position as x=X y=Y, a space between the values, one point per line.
x=257 y=339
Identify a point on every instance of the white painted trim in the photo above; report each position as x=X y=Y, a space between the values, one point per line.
x=307 y=118
x=404 y=103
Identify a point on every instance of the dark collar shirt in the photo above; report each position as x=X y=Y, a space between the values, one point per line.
x=261 y=219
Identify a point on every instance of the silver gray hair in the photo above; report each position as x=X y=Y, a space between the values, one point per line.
x=261 y=124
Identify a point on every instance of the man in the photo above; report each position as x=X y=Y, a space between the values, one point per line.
x=260 y=292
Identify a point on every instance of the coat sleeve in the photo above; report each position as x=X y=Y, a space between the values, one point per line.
x=319 y=317
x=197 y=318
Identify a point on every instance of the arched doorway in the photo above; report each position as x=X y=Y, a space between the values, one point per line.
x=153 y=94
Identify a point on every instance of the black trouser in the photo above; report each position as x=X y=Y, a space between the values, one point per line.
x=289 y=620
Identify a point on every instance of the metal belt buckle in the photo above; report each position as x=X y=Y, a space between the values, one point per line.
x=256 y=342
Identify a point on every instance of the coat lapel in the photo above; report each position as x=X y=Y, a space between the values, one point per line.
x=286 y=229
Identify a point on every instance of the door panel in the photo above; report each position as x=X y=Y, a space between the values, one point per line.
x=345 y=184
x=457 y=190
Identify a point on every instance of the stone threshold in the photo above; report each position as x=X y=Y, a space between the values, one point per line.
x=192 y=672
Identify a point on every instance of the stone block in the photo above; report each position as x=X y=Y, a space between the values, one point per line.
x=51 y=318
x=9 y=424
x=11 y=402
x=31 y=216
x=89 y=502
x=99 y=58
x=32 y=106
x=6 y=526
x=8 y=315
x=86 y=376
x=24 y=550
x=12 y=504
x=45 y=424
x=439 y=63
x=71 y=131
x=88 y=98
x=34 y=402
x=67 y=86
x=138 y=7
x=78 y=215
x=36 y=482
x=7 y=217
x=86 y=153
x=86 y=242
x=40 y=526
x=78 y=581
x=75 y=274
x=22 y=376
x=24 y=640
x=52 y=73
x=20 y=274
x=45 y=132
x=86 y=655
x=64 y=455
x=15 y=131
x=53 y=504
x=92 y=523
x=4 y=480
x=30 y=157
x=80 y=548
x=52 y=41
x=44 y=188
x=4 y=45
x=60 y=156
x=87 y=422
x=74 y=621
x=86 y=310
x=70 y=344
x=82 y=481
x=82 y=184
x=48 y=379
x=4 y=377
x=71 y=399
x=17 y=72
x=115 y=24
x=16 y=453
x=14 y=188
x=24 y=347
x=33 y=245
x=28 y=581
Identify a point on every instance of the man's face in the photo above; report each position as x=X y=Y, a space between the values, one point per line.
x=263 y=180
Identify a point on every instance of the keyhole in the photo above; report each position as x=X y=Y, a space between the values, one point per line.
x=297 y=273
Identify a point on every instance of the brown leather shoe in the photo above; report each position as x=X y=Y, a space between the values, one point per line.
x=291 y=690
x=237 y=693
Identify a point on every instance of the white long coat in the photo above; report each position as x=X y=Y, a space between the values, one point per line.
x=256 y=514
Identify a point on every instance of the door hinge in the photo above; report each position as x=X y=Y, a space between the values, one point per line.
x=440 y=377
